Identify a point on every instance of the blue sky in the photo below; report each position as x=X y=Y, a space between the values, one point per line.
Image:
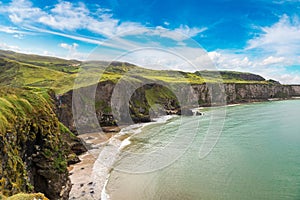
x=261 y=36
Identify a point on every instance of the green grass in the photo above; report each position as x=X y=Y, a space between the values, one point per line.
x=155 y=95
x=69 y=66
x=26 y=116
x=35 y=71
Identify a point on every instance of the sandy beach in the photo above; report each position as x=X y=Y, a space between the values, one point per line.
x=81 y=174
x=89 y=176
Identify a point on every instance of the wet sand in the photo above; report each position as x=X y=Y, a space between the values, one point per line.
x=81 y=174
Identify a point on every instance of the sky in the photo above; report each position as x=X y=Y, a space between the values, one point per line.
x=261 y=36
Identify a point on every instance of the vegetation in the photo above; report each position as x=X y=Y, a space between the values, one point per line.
x=29 y=133
x=21 y=70
x=22 y=196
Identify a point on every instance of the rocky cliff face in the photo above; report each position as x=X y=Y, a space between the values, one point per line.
x=35 y=146
x=242 y=93
x=295 y=90
x=113 y=105
x=94 y=105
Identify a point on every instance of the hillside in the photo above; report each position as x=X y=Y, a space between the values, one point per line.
x=58 y=74
x=35 y=147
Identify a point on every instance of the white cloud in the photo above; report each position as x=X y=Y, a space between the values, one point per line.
x=230 y=60
x=287 y=78
x=12 y=30
x=20 y=10
x=190 y=32
x=282 y=38
x=168 y=58
x=70 y=47
x=269 y=54
x=9 y=47
x=72 y=51
x=270 y=67
x=272 y=60
x=166 y=23
x=67 y=16
x=19 y=36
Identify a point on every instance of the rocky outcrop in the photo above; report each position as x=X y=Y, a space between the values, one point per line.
x=35 y=146
x=295 y=90
x=241 y=93
x=93 y=99
x=110 y=105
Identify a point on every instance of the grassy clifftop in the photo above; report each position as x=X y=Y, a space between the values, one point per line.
x=58 y=74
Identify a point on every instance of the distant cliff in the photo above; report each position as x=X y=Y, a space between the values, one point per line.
x=242 y=93
x=155 y=96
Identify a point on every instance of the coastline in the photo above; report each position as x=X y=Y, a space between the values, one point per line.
x=90 y=176
x=80 y=173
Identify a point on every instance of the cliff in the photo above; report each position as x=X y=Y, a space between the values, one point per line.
x=35 y=146
x=243 y=93
x=155 y=99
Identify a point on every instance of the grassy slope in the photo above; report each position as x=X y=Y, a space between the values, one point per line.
x=27 y=119
x=58 y=74
x=69 y=66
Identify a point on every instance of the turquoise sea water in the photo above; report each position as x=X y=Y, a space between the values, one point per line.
x=257 y=157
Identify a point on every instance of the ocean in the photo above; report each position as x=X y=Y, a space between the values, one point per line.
x=255 y=156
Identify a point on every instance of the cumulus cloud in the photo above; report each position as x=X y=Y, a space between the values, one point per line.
x=72 y=51
x=20 y=10
x=70 y=47
x=230 y=60
x=66 y=16
x=282 y=38
x=270 y=67
x=269 y=54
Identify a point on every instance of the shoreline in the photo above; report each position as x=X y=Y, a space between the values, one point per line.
x=90 y=176
x=86 y=182
x=83 y=186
